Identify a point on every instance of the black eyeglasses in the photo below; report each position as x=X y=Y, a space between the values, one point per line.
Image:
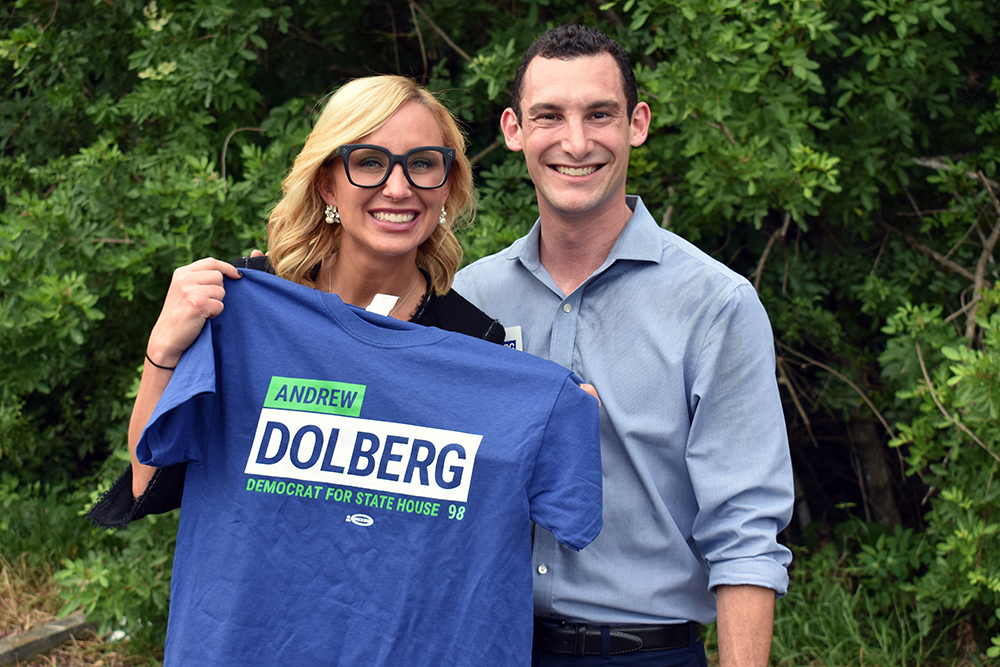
x=369 y=166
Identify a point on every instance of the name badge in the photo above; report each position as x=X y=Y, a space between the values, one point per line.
x=512 y=338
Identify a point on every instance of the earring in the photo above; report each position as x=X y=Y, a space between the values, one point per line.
x=332 y=214
x=443 y=220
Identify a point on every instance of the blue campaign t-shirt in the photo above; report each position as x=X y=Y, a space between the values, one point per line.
x=359 y=488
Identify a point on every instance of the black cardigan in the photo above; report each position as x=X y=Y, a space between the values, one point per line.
x=118 y=507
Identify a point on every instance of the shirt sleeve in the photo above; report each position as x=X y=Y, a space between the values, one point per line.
x=565 y=488
x=183 y=417
x=737 y=451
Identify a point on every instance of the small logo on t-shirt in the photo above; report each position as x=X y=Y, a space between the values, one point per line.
x=360 y=519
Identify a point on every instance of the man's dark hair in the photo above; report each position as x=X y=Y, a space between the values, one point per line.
x=573 y=41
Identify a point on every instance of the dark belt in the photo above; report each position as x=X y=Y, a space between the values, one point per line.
x=580 y=640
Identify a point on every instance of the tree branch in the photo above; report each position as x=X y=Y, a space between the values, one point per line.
x=395 y=38
x=939 y=163
x=779 y=234
x=913 y=202
x=793 y=392
x=100 y=240
x=979 y=281
x=960 y=311
x=989 y=190
x=973 y=227
x=669 y=213
x=309 y=39
x=420 y=36
x=722 y=126
x=51 y=19
x=436 y=28
x=225 y=147
x=853 y=386
x=859 y=473
x=930 y=252
x=475 y=159
x=878 y=257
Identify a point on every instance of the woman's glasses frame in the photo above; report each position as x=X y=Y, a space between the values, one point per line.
x=448 y=154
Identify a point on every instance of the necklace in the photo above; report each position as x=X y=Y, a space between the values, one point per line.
x=403 y=300
x=399 y=302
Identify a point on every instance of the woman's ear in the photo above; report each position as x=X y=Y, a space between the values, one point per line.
x=324 y=184
x=446 y=189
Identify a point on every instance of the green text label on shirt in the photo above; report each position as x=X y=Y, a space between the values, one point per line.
x=332 y=398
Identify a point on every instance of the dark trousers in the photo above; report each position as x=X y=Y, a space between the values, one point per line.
x=692 y=655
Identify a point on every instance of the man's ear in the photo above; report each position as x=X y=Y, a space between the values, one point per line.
x=511 y=129
x=641 y=118
x=324 y=184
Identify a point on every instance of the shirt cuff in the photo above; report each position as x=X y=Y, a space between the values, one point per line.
x=760 y=571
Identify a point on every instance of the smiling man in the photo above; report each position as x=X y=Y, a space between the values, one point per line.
x=697 y=476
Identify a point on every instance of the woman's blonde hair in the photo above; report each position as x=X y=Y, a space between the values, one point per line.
x=298 y=236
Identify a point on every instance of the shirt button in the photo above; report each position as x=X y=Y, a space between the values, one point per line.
x=567 y=307
x=542 y=569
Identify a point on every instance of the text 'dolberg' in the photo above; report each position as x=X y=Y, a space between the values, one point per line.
x=364 y=453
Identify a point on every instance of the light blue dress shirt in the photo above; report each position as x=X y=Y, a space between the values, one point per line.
x=697 y=475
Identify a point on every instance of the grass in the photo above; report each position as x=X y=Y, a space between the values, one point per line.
x=831 y=618
x=29 y=598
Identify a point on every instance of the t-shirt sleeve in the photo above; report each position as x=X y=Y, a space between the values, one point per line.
x=182 y=420
x=565 y=488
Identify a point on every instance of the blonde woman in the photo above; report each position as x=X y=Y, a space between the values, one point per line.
x=367 y=209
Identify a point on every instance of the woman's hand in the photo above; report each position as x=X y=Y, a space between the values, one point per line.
x=195 y=295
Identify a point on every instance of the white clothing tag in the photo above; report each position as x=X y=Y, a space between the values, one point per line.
x=382 y=304
x=512 y=338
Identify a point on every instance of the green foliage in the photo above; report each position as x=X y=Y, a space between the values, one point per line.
x=120 y=579
x=851 y=602
x=494 y=68
x=125 y=586
x=38 y=519
x=737 y=82
x=507 y=209
x=952 y=438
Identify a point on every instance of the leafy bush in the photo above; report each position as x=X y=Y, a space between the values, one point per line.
x=952 y=440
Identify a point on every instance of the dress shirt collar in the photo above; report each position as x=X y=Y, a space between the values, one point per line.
x=639 y=241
